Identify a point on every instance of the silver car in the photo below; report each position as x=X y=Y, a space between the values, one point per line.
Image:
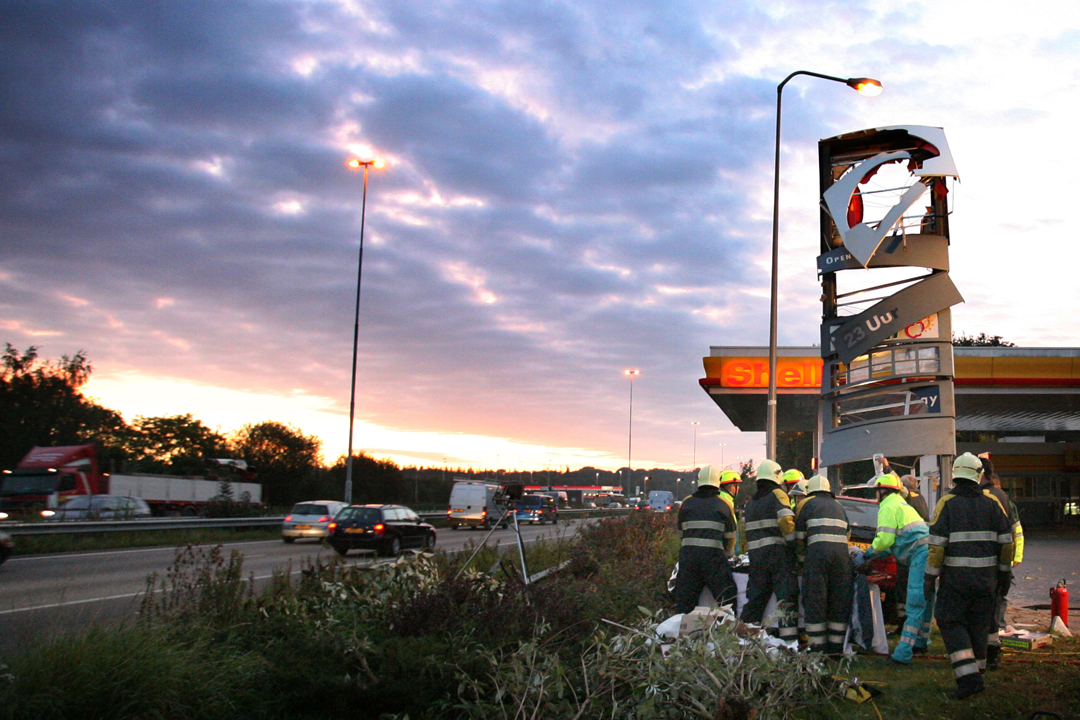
x=310 y=519
x=100 y=507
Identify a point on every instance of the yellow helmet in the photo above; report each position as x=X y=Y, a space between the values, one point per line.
x=709 y=475
x=888 y=480
x=770 y=470
x=793 y=476
x=817 y=484
x=730 y=476
x=967 y=466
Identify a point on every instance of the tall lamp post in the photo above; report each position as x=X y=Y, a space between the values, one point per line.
x=630 y=434
x=356 y=164
x=865 y=86
x=722 y=446
x=693 y=465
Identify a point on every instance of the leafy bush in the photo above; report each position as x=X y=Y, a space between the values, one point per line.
x=628 y=674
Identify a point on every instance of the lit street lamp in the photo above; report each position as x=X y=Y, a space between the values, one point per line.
x=355 y=164
x=869 y=88
x=630 y=434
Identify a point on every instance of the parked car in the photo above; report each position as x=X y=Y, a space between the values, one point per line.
x=99 y=507
x=862 y=517
x=386 y=529
x=7 y=546
x=310 y=519
x=537 y=509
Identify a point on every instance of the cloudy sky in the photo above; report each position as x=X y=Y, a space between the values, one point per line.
x=572 y=189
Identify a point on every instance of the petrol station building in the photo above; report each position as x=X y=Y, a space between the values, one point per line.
x=1021 y=405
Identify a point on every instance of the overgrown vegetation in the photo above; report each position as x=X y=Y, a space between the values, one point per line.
x=418 y=637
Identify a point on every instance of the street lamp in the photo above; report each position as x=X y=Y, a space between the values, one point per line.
x=693 y=465
x=356 y=164
x=722 y=446
x=864 y=86
x=630 y=434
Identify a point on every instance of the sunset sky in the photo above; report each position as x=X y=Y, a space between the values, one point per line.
x=572 y=189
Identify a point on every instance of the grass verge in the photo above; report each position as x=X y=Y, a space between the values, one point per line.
x=35 y=544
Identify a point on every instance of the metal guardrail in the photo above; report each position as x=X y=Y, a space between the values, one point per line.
x=73 y=528
x=101 y=526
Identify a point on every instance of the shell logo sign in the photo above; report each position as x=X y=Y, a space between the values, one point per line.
x=753 y=372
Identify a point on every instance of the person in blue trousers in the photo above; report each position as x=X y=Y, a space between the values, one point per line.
x=904 y=534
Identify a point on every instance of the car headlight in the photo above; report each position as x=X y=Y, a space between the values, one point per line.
x=48 y=513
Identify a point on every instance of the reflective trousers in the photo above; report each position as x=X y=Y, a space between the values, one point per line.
x=700 y=567
x=919 y=608
x=965 y=609
x=827 y=596
x=773 y=572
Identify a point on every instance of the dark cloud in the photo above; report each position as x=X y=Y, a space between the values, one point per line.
x=566 y=202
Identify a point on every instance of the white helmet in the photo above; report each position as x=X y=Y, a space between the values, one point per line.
x=967 y=466
x=770 y=470
x=709 y=475
x=818 y=484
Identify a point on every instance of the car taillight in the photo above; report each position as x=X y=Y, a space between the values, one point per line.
x=331 y=526
x=288 y=518
x=380 y=529
x=324 y=518
x=483 y=513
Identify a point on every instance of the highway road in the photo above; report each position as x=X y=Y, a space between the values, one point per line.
x=45 y=596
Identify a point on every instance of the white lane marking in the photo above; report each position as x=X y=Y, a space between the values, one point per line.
x=42 y=556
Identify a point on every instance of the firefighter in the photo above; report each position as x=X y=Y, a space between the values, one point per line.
x=790 y=482
x=821 y=541
x=971 y=550
x=991 y=485
x=730 y=483
x=903 y=534
x=709 y=533
x=770 y=539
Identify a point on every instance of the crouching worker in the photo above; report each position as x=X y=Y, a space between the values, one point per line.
x=821 y=537
x=904 y=534
x=709 y=533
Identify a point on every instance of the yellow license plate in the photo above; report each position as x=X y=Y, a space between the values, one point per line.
x=355 y=530
x=303 y=527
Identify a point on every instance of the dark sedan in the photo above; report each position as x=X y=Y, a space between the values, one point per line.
x=386 y=529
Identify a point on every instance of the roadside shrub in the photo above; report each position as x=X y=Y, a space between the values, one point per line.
x=133 y=673
x=625 y=672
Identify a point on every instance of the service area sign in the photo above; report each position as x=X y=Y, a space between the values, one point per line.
x=889 y=379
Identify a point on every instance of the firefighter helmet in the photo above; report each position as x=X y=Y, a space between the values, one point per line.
x=770 y=470
x=967 y=466
x=799 y=488
x=729 y=476
x=793 y=476
x=818 y=484
x=888 y=481
x=709 y=475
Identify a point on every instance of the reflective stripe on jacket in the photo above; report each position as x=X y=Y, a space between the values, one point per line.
x=707 y=522
x=821 y=523
x=899 y=527
x=769 y=519
x=970 y=531
x=1014 y=520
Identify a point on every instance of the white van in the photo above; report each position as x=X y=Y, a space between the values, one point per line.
x=661 y=501
x=474 y=504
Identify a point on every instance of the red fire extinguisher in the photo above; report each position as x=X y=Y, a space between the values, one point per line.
x=1059 y=602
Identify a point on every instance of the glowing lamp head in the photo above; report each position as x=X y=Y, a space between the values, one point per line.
x=357 y=163
x=865 y=86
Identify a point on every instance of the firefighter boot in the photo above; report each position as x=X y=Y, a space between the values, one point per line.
x=968 y=685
